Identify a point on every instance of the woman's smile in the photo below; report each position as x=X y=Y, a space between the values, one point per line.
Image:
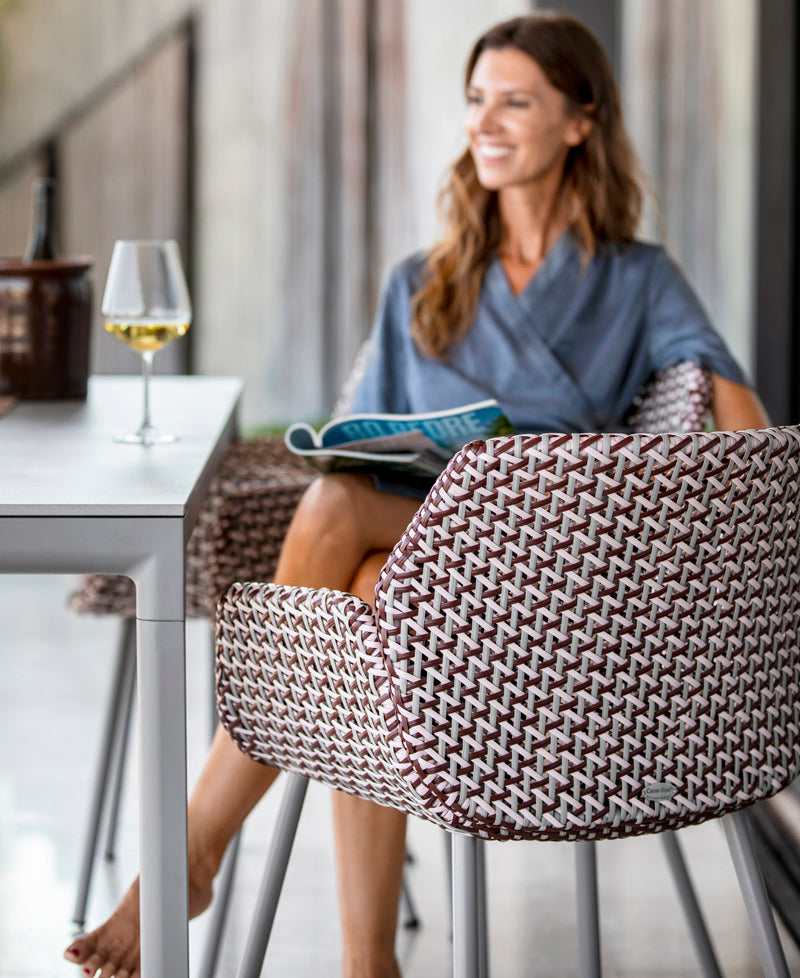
x=493 y=152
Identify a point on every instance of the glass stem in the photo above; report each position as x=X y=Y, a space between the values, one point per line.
x=147 y=369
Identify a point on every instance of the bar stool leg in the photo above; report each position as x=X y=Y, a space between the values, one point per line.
x=483 y=915
x=409 y=907
x=123 y=739
x=219 y=911
x=110 y=732
x=466 y=949
x=751 y=883
x=447 y=838
x=224 y=885
x=691 y=907
x=588 y=911
x=277 y=861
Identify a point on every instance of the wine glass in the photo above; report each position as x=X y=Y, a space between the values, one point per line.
x=146 y=305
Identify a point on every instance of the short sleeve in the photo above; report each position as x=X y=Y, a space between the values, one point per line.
x=382 y=388
x=678 y=327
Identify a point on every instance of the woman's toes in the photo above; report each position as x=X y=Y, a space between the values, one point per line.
x=109 y=970
x=90 y=965
x=77 y=951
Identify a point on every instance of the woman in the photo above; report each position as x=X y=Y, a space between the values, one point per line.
x=537 y=295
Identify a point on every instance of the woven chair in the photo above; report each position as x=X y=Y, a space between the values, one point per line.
x=579 y=637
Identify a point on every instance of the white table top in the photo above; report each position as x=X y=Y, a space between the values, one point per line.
x=57 y=458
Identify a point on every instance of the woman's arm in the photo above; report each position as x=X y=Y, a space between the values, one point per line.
x=735 y=407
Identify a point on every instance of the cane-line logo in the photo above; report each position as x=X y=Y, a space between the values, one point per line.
x=660 y=791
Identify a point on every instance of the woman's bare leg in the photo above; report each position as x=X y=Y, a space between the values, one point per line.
x=340 y=521
x=370 y=852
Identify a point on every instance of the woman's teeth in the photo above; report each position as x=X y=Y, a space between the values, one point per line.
x=494 y=152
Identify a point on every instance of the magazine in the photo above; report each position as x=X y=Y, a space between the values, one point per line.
x=411 y=444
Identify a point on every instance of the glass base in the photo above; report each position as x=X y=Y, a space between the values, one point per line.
x=149 y=436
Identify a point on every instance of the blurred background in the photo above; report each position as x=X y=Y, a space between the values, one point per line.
x=295 y=147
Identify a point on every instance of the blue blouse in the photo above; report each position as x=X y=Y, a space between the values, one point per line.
x=569 y=353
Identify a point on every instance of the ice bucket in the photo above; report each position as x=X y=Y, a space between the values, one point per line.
x=45 y=322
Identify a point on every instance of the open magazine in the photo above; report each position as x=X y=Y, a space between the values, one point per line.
x=412 y=444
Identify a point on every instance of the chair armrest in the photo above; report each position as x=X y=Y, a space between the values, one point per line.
x=677 y=398
x=300 y=684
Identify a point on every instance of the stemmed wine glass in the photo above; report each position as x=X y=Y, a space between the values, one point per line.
x=146 y=305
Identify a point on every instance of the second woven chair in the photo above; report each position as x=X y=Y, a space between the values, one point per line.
x=579 y=637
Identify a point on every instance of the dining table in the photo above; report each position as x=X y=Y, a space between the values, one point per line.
x=72 y=500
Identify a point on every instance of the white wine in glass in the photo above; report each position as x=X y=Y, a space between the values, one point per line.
x=146 y=305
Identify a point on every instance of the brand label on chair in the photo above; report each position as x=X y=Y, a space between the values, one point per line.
x=660 y=791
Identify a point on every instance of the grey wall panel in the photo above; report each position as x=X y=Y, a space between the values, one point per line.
x=122 y=174
x=16 y=203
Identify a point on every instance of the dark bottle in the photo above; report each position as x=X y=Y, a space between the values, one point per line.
x=41 y=244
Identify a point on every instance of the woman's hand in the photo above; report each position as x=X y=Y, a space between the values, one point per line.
x=735 y=407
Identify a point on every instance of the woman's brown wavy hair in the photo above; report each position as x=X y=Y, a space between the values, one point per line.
x=600 y=188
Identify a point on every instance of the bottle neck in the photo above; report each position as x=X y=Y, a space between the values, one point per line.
x=41 y=240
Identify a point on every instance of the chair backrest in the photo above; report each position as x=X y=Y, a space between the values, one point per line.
x=597 y=635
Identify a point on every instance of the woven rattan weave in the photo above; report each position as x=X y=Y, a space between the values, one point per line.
x=578 y=636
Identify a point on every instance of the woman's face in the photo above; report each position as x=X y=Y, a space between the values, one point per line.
x=517 y=123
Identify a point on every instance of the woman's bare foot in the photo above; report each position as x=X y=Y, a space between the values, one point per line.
x=113 y=949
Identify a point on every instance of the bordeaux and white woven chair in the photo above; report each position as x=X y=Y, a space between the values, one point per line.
x=579 y=637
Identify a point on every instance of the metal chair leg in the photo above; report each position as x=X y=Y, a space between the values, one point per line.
x=125 y=652
x=408 y=905
x=691 y=907
x=224 y=885
x=466 y=912
x=123 y=739
x=407 y=902
x=751 y=883
x=483 y=916
x=223 y=888
x=588 y=911
x=280 y=850
x=219 y=909
x=447 y=837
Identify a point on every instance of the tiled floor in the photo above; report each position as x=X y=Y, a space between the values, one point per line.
x=56 y=668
